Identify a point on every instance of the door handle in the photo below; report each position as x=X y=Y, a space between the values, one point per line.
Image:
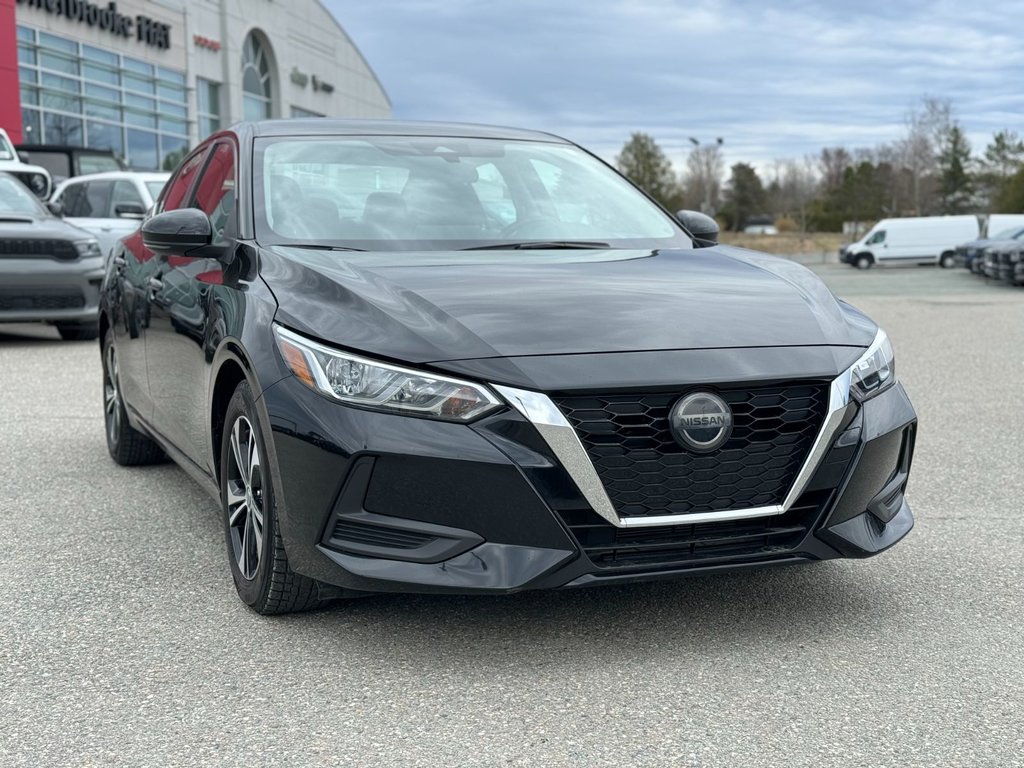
x=155 y=285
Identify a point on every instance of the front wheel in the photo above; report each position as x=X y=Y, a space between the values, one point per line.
x=863 y=261
x=947 y=260
x=259 y=564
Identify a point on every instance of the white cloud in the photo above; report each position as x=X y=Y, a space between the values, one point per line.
x=774 y=79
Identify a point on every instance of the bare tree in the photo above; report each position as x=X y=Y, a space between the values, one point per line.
x=926 y=128
x=833 y=162
x=702 y=179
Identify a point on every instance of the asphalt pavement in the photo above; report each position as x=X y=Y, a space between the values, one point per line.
x=122 y=641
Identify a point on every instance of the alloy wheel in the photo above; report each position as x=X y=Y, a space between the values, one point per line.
x=245 y=498
x=112 y=397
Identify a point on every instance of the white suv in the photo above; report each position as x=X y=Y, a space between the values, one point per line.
x=35 y=177
x=109 y=205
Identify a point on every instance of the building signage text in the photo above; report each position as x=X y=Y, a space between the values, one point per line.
x=207 y=43
x=143 y=28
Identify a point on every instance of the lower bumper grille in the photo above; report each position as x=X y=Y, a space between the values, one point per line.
x=378 y=535
x=31 y=248
x=40 y=299
x=663 y=546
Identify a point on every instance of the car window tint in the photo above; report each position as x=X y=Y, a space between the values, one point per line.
x=180 y=184
x=125 y=192
x=73 y=200
x=878 y=237
x=92 y=201
x=215 y=193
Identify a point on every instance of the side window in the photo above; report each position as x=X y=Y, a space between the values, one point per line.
x=73 y=199
x=125 y=193
x=94 y=202
x=215 y=194
x=875 y=239
x=176 y=191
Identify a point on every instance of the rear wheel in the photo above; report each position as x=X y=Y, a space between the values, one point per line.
x=78 y=331
x=863 y=261
x=259 y=564
x=947 y=260
x=127 y=446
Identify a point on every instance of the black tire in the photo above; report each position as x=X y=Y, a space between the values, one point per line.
x=127 y=446
x=947 y=260
x=78 y=331
x=863 y=261
x=259 y=564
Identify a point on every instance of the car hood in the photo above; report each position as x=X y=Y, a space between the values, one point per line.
x=22 y=226
x=445 y=306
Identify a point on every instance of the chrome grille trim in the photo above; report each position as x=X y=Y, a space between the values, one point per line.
x=565 y=443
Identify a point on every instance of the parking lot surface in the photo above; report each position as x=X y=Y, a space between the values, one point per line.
x=122 y=641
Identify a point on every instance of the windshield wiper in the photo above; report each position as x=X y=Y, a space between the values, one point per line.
x=539 y=245
x=322 y=247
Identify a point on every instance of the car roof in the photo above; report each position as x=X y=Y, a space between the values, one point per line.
x=325 y=126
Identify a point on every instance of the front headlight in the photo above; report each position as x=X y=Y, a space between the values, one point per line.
x=380 y=386
x=875 y=370
x=87 y=248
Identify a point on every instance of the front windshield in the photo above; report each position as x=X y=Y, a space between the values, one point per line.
x=1008 y=234
x=15 y=198
x=6 y=150
x=433 y=193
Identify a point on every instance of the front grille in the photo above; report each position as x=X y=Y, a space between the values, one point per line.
x=646 y=472
x=40 y=298
x=33 y=248
x=377 y=535
x=672 y=545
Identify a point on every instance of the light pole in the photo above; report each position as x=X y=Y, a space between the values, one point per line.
x=707 y=171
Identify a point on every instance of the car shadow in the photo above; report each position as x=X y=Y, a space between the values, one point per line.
x=28 y=333
x=694 y=615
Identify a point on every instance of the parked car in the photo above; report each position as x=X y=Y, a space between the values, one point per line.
x=35 y=177
x=448 y=393
x=50 y=271
x=917 y=240
x=967 y=252
x=1002 y=259
x=64 y=161
x=109 y=205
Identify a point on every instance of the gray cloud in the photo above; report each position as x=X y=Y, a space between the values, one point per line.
x=774 y=79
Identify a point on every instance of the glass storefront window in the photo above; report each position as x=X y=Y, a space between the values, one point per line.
x=121 y=112
x=208 y=99
x=62 y=129
x=142 y=150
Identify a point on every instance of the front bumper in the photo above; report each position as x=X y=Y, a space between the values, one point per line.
x=50 y=290
x=373 y=502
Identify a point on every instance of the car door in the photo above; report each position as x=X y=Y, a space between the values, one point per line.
x=133 y=270
x=178 y=343
x=87 y=204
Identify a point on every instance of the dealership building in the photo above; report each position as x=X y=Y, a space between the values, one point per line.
x=150 y=78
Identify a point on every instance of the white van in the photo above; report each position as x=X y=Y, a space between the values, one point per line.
x=1000 y=222
x=917 y=240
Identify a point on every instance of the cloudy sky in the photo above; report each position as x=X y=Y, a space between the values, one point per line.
x=773 y=79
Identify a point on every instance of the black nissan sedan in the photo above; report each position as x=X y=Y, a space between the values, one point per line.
x=411 y=357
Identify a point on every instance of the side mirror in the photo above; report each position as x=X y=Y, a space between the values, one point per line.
x=129 y=211
x=177 y=231
x=701 y=227
x=55 y=207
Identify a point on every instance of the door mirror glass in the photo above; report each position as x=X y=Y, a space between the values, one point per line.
x=180 y=231
x=129 y=211
x=702 y=228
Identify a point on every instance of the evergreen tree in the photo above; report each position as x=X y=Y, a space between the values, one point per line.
x=643 y=162
x=955 y=184
x=745 y=196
